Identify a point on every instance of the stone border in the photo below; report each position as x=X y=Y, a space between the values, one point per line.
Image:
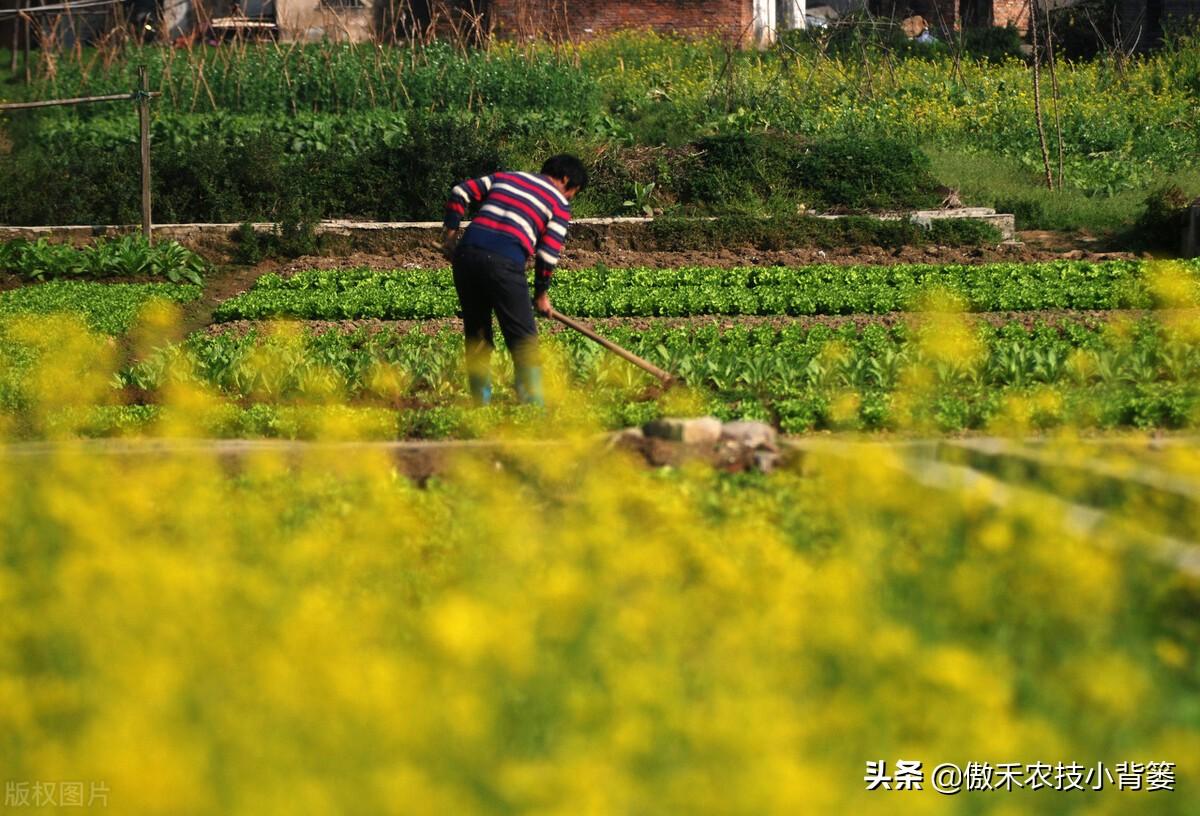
x=384 y=236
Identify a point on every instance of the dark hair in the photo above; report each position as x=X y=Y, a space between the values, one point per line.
x=566 y=166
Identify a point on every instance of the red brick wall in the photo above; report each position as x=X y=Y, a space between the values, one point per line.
x=585 y=18
x=1011 y=11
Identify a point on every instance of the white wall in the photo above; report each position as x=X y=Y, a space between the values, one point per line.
x=791 y=14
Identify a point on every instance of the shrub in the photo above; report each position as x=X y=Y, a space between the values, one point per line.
x=867 y=173
x=963 y=232
x=412 y=181
x=1161 y=224
x=993 y=44
x=739 y=171
x=1029 y=212
x=1086 y=29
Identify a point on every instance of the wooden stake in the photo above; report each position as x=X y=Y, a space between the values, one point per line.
x=26 y=19
x=144 y=123
x=1053 y=63
x=1037 y=93
x=16 y=44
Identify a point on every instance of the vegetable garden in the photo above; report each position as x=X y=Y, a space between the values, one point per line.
x=259 y=554
x=503 y=635
x=1044 y=345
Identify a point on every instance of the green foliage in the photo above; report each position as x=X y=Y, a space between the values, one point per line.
x=821 y=289
x=643 y=198
x=240 y=131
x=126 y=256
x=249 y=248
x=864 y=173
x=336 y=78
x=962 y=232
x=109 y=308
x=793 y=375
x=739 y=171
x=857 y=35
x=1087 y=29
x=993 y=44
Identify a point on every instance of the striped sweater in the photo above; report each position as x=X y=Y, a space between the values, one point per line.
x=521 y=215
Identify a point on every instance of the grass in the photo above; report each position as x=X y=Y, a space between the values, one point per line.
x=988 y=180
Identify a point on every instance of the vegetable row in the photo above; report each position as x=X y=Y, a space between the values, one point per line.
x=809 y=290
x=108 y=308
x=1145 y=373
x=126 y=256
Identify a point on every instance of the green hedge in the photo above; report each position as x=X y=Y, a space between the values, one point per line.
x=397 y=168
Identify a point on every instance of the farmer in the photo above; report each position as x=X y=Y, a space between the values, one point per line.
x=520 y=215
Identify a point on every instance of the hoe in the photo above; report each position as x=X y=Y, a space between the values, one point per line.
x=666 y=378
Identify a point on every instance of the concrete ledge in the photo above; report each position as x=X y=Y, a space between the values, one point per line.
x=384 y=236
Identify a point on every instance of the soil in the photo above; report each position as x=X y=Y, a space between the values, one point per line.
x=228 y=280
x=1050 y=317
x=220 y=285
x=1044 y=247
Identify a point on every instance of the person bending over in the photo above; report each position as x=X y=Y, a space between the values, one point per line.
x=519 y=216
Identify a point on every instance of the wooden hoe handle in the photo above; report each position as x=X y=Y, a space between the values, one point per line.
x=613 y=347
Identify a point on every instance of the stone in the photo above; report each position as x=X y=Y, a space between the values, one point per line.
x=697 y=431
x=750 y=434
x=822 y=12
x=914 y=26
x=765 y=461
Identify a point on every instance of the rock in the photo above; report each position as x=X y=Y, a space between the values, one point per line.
x=698 y=431
x=821 y=15
x=627 y=438
x=765 y=461
x=950 y=198
x=1073 y=255
x=750 y=434
x=914 y=26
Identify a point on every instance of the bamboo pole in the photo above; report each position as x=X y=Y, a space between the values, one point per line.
x=26 y=20
x=143 y=97
x=16 y=44
x=1037 y=94
x=1053 y=63
x=80 y=100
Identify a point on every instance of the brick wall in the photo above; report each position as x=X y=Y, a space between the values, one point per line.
x=584 y=18
x=1011 y=11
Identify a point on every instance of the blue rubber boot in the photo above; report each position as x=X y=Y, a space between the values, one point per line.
x=529 y=385
x=481 y=388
